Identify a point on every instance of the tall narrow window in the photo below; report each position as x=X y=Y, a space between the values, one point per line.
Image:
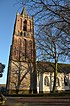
x=25 y=48
x=46 y=81
x=66 y=81
x=30 y=26
x=20 y=24
x=25 y=25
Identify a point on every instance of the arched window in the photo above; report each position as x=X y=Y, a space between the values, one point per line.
x=25 y=25
x=46 y=81
x=66 y=81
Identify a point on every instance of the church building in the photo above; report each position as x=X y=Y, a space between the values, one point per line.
x=45 y=77
x=24 y=73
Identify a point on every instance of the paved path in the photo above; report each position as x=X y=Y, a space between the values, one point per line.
x=38 y=101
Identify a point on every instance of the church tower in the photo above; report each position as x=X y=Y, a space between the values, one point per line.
x=22 y=55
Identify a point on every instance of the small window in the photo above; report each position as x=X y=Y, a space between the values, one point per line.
x=46 y=81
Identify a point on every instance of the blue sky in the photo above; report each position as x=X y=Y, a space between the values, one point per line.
x=8 y=9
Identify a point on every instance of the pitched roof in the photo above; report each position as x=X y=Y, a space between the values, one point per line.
x=50 y=67
x=24 y=12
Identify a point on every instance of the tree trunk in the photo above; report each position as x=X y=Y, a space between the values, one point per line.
x=55 y=76
x=34 y=63
x=55 y=71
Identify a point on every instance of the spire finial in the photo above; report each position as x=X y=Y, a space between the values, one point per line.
x=24 y=12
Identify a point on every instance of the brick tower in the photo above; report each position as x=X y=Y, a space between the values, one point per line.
x=22 y=55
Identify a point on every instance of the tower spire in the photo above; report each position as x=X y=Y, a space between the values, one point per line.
x=24 y=12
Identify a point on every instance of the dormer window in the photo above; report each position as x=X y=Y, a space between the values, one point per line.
x=25 y=25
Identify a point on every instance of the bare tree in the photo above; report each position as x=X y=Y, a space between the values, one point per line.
x=48 y=12
x=19 y=75
x=52 y=24
x=52 y=47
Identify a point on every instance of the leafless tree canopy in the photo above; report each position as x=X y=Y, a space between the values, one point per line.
x=52 y=24
x=52 y=29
